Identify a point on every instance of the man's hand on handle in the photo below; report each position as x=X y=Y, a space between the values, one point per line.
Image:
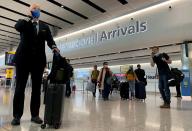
x=56 y=50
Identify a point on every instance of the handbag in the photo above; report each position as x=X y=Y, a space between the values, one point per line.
x=90 y=87
x=60 y=74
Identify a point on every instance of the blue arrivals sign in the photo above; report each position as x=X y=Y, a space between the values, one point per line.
x=185 y=85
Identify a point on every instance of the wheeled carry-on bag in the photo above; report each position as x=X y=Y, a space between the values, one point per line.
x=140 y=92
x=124 y=90
x=54 y=95
x=54 y=105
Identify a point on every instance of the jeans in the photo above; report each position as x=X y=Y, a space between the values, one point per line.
x=132 y=88
x=164 y=88
x=106 y=90
x=94 y=82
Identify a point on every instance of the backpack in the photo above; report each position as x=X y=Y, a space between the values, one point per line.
x=177 y=74
x=61 y=71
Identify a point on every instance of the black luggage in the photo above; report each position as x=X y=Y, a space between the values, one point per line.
x=61 y=71
x=176 y=77
x=54 y=99
x=124 y=90
x=115 y=84
x=140 y=92
x=54 y=105
x=45 y=85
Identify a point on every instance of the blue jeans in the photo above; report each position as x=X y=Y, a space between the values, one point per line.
x=132 y=88
x=106 y=90
x=164 y=88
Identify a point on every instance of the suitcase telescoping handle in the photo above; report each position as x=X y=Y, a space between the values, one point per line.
x=56 y=53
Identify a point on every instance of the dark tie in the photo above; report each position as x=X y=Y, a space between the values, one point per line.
x=35 y=27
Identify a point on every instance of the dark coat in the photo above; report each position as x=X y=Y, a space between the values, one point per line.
x=32 y=46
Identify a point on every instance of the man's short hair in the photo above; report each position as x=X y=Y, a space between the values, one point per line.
x=105 y=63
x=34 y=5
x=138 y=65
x=154 y=47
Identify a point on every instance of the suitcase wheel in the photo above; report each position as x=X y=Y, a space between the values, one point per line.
x=123 y=99
x=56 y=126
x=43 y=126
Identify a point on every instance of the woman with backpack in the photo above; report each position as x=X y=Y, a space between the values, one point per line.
x=131 y=77
x=104 y=80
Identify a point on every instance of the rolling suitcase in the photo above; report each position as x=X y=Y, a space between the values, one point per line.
x=124 y=90
x=55 y=92
x=140 y=92
x=45 y=84
x=54 y=105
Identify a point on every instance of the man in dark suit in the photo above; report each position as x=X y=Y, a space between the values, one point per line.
x=30 y=58
x=140 y=73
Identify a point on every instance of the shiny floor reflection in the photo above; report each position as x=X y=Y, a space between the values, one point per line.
x=84 y=113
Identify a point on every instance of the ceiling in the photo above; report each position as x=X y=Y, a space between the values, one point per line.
x=127 y=57
x=73 y=15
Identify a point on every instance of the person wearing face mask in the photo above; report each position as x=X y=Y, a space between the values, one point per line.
x=104 y=80
x=162 y=60
x=131 y=77
x=30 y=58
x=94 y=76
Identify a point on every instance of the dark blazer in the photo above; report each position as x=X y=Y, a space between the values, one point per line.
x=32 y=46
x=140 y=74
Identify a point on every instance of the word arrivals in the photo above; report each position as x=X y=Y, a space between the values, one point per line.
x=129 y=30
x=100 y=37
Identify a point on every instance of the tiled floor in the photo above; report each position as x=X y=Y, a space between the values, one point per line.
x=84 y=113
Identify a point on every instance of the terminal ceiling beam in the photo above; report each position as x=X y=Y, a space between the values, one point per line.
x=9 y=36
x=9 y=32
x=3 y=48
x=94 y=6
x=123 y=2
x=7 y=25
x=6 y=44
x=45 y=12
x=9 y=40
x=68 y=9
x=13 y=11
x=7 y=18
